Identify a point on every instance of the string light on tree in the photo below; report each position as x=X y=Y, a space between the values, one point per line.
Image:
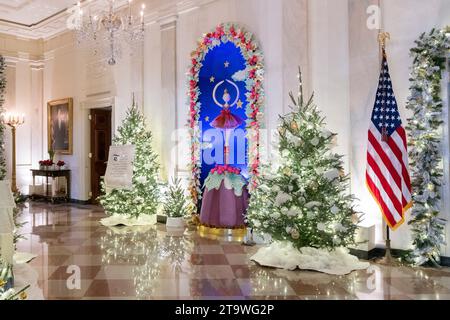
x=425 y=139
x=143 y=197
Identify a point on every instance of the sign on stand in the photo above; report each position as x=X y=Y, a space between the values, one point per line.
x=119 y=172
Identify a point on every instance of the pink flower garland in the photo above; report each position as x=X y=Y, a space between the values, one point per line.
x=255 y=98
x=220 y=169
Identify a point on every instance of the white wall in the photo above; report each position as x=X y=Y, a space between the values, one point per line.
x=72 y=71
x=24 y=95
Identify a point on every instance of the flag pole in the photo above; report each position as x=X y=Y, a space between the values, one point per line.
x=382 y=37
x=387 y=259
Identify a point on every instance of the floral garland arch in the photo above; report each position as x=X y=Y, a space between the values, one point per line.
x=227 y=32
x=425 y=135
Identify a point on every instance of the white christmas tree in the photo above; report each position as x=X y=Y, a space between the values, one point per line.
x=142 y=198
x=305 y=201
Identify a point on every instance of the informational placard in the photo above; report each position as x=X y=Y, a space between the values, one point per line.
x=119 y=172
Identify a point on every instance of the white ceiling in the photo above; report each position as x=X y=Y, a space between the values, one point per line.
x=30 y=12
x=43 y=19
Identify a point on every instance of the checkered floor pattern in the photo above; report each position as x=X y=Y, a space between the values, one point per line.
x=152 y=263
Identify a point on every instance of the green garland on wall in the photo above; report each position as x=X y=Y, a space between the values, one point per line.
x=425 y=137
x=2 y=127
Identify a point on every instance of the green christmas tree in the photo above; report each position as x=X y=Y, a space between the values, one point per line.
x=305 y=201
x=143 y=197
x=2 y=126
x=176 y=204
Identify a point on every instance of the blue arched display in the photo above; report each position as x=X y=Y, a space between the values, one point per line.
x=222 y=64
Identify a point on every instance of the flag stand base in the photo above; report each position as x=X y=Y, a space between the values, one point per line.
x=388 y=259
x=248 y=241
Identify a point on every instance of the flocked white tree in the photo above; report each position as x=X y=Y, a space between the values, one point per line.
x=143 y=197
x=305 y=201
x=425 y=139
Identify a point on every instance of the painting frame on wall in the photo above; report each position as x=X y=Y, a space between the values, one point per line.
x=60 y=126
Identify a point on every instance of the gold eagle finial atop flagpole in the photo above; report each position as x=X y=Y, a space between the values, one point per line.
x=382 y=37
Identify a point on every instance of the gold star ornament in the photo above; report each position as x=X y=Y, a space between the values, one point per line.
x=207 y=119
x=227 y=64
x=212 y=79
x=239 y=104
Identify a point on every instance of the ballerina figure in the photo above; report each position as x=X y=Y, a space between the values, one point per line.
x=226 y=121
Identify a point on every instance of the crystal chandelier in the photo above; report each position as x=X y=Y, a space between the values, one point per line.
x=107 y=31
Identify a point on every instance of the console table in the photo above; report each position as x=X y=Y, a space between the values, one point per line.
x=51 y=174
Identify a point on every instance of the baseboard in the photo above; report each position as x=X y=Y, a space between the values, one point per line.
x=380 y=252
x=76 y=201
x=445 y=261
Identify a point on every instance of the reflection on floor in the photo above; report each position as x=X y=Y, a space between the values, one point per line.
x=154 y=264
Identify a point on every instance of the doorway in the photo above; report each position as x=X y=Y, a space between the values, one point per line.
x=100 y=142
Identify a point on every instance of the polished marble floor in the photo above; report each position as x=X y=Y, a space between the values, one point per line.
x=152 y=263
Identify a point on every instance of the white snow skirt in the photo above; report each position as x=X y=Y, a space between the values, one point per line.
x=125 y=220
x=284 y=255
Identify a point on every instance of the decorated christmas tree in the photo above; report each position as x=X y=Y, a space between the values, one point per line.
x=2 y=127
x=142 y=198
x=305 y=201
x=176 y=204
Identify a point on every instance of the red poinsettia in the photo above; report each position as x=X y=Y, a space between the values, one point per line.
x=46 y=163
x=233 y=31
x=253 y=60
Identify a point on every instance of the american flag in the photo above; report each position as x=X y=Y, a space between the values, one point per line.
x=387 y=175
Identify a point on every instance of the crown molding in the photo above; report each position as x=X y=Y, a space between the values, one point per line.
x=56 y=24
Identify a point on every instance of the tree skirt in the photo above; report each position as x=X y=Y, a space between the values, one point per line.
x=23 y=257
x=284 y=255
x=124 y=220
x=25 y=275
x=123 y=230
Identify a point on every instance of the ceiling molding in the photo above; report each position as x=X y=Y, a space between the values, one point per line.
x=56 y=24
x=20 y=24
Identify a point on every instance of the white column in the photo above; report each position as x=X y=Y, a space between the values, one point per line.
x=169 y=95
x=329 y=63
x=364 y=71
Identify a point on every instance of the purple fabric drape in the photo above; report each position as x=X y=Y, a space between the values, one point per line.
x=223 y=209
